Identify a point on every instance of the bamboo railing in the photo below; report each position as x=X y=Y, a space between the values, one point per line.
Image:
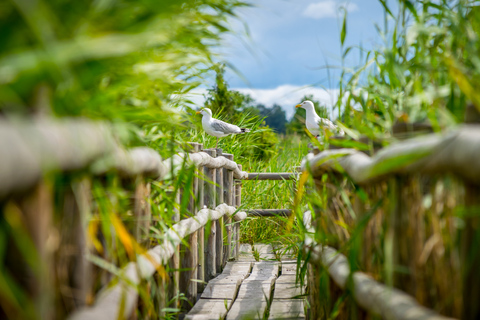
x=436 y=174
x=29 y=151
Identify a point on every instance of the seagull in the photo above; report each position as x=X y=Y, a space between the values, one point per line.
x=314 y=123
x=218 y=128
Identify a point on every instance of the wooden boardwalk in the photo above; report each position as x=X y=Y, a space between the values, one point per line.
x=250 y=289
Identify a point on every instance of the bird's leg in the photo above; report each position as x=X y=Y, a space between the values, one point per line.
x=216 y=145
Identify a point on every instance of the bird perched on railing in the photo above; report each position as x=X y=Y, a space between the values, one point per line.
x=314 y=123
x=218 y=128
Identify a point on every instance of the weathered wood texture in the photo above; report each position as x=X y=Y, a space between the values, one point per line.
x=272 y=176
x=287 y=309
x=228 y=190
x=210 y=249
x=108 y=304
x=377 y=298
x=270 y=212
x=238 y=203
x=454 y=152
x=471 y=254
x=219 y=224
x=200 y=200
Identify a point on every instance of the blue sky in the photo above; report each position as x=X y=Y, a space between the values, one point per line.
x=289 y=43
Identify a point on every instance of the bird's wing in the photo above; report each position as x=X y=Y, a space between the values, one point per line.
x=326 y=123
x=224 y=127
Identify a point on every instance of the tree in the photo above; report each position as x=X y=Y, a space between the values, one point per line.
x=220 y=99
x=274 y=117
x=297 y=123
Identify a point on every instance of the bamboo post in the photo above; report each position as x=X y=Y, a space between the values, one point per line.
x=228 y=198
x=219 y=224
x=174 y=263
x=142 y=210
x=395 y=241
x=201 y=231
x=238 y=203
x=189 y=256
x=37 y=208
x=210 y=250
x=73 y=248
x=470 y=253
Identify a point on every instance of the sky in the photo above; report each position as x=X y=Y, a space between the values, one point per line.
x=289 y=42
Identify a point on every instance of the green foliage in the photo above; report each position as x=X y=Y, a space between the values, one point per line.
x=114 y=60
x=274 y=117
x=426 y=71
x=222 y=100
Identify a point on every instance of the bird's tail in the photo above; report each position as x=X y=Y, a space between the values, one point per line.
x=244 y=130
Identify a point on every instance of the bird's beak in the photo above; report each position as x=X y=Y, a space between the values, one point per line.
x=198 y=112
x=298 y=106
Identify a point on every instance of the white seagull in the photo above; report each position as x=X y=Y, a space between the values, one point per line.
x=314 y=123
x=218 y=128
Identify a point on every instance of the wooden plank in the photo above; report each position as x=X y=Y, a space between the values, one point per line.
x=219 y=290
x=263 y=271
x=237 y=268
x=263 y=248
x=287 y=309
x=246 y=253
x=289 y=268
x=270 y=212
x=272 y=176
x=287 y=291
x=219 y=224
x=286 y=278
x=265 y=251
x=247 y=309
x=256 y=290
x=208 y=309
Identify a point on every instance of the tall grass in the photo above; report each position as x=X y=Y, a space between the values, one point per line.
x=425 y=72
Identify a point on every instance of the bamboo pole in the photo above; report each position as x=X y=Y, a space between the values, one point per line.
x=174 y=262
x=72 y=252
x=201 y=231
x=228 y=198
x=470 y=252
x=271 y=175
x=228 y=191
x=210 y=249
x=189 y=255
x=238 y=203
x=37 y=208
x=142 y=210
x=270 y=212
x=219 y=224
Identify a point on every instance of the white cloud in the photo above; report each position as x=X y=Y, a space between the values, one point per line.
x=287 y=96
x=327 y=9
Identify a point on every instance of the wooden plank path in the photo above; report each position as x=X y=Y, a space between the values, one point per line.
x=250 y=289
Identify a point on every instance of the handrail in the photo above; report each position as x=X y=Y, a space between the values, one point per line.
x=111 y=298
x=456 y=152
x=374 y=297
x=28 y=149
